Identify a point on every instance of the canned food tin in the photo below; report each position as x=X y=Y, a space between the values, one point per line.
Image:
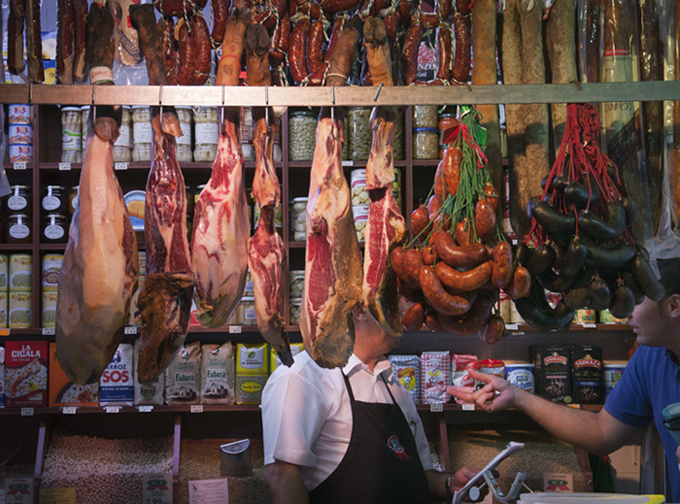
x=4 y=260
x=360 y=218
x=521 y=375
x=51 y=267
x=20 y=134
x=358 y=183
x=20 y=272
x=606 y=317
x=49 y=308
x=20 y=152
x=3 y=309
x=612 y=374
x=585 y=316
x=19 y=113
x=20 y=310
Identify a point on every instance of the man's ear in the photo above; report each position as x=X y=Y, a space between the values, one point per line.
x=674 y=305
x=359 y=312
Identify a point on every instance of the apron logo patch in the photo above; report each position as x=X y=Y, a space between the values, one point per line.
x=394 y=445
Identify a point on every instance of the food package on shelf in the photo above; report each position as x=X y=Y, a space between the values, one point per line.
x=217 y=373
x=63 y=392
x=116 y=383
x=182 y=376
x=147 y=393
x=275 y=360
x=435 y=377
x=252 y=369
x=587 y=377
x=553 y=372
x=26 y=374
x=407 y=371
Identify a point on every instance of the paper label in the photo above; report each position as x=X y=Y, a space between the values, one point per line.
x=157 y=488
x=209 y=491
x=57 y=496
x=18 y=490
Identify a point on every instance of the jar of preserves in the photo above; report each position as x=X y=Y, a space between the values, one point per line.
x=73 y=199
x=298 y=213
x=55 y=228
x=398 y=143
x=249 y=289
x=360 y=136
x=84 y=115
x=301 y=131
x=296 y=283
x=19 y=229
x=122 y=147
x=20 y=199
x=295 y=307
x=447 y=121
x=425 y=143
x=424 y=116
x=142 y=134
x=345 y=144
x=249 y=316
x=207 y=132
x=54 y=199
x=71 y=135
x=184 y=152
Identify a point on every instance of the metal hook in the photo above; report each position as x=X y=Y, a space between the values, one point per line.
x=94 y=106
x=333 y=106
x=222 y=108
x=375 y=98
x=266 y=102
x=160 y=104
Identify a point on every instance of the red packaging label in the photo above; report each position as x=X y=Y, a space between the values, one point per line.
x=26 y=374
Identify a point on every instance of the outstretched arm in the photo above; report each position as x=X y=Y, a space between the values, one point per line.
x=285 y=483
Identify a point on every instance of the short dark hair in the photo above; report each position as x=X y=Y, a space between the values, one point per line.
x=669 y=270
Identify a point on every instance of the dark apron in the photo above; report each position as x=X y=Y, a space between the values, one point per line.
x=381 y=463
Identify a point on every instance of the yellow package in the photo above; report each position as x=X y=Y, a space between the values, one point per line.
x=252 y=369
x=275 y=362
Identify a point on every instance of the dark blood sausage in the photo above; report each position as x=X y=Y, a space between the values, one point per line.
x=623 y=302
x=297 y=57
x=464 y=281
x=609 y=228
x=494 y=330
x=201 y=35
x=581 y=195
x=220 y=15
x=461 y=64
x=279 y=45
x=520 y=284
x=437 y=297
x=573 y=259
x=536 y=311
x=600 y=294
x=554 y=282
x=555 y=223
x=410 y=53
x=169 y=52
x=187 y=56
x=473 y=321
x=414 y=317
x=645 y=277
x=592 y=25
x=485 y=220
x=502 y=265
x=541 y=259
x=615 y=257
x=315 y=46
x=465 y=256
x=576 y=299
x=338 y=5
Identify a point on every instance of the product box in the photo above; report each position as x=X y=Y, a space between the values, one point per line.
x=553 y=372
x=217 y=373
x=116 y=386
x=252 y=369
x=183 y=375
x=435 y=377
x=63 y=392
x=407 y=371
x=275 y=361
x=521 y=375
x=587 y=378
x=26 y=374
x=2 y=377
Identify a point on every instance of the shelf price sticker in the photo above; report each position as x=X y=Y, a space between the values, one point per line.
x=197 y=408
x=145 y=409
x=157 y=488
x=131 y=330
x=235 y=329
x=19 y=165
x=48 y=331
x=512 y=327
x=436 y=408
x=468 y=407
x=69 y=410
x=112 y=409
x=26 y=411
x=347 y=163
x=589 y=325
x=64 y=166
x=120 y=166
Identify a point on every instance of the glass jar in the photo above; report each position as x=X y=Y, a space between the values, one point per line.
x=54 y=199
x=71 y=135
x=206 y=132
x=55 y=228
x=425 y=143
x=142 y=134
x=298 y=214
x=296 y=283
x=301 y=131
x=19 y=229
x=277 y=152
x=360 y=213
x=295 y=307
x=247 y=134
x=398 y=143
x=199 y=190
x=447 y=121
x=122 y=147
x=345 y=144
x=73 y=199
x=184 y=152
x=84 y=114
x=249 y=289
x=249 y=316
x=20 y=200
x=360 y=136
x=424 y=116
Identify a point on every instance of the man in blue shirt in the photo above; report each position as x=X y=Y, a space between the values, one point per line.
x=650 y=383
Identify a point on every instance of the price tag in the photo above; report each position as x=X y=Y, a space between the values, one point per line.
x=511 y=327
x=69 y=410
x=145 y=409
x=209 y=491
x=64 y=166
x=48 y=331
x=347 y=163
x=131 y=330
x=120 y=166
x=112 y=409
x=234 y=329
x=589 y=325
x=468 y=407
x=197 y=408
x=19 y=165
x=436 y=408
x=157 y=489
x=26 y=411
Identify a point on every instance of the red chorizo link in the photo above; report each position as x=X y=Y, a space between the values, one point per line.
x=462 y=232
x=464 y=256
x=64 y=40
x=220 y=15
x=464 y=6
x=316 y=78
x=461 y=65
x=279 y=46
x=79 y=43
x=439 y=181
x=297 y=58
x=445 y=7
x=485 y=220
x=420 y=219
x=413 y=262
x=398 y=262
x=444 y=48
x=437 y=297
x=310 y=9
x=520 y=284
x=473 y=321
x=378 y=5
x=315 y=46
x=433 y=205
x=491 y=195
x=201 y=35
x=429 y=20
x=432 y=322
x=464 y=281
x=170 y=7
x=338 y=5
x=404 y=11
x=452 y=160
x=15 y=37
x=502 y=265
x=414 y=317
x=429 y=255
x=187 y=55
x=411 y=47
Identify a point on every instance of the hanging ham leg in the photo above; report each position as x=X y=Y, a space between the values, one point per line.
x=219 y=244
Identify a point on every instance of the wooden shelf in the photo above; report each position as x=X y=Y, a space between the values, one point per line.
x=435 y=408
x=185 y=408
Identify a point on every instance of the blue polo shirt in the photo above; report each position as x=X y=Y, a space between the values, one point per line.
x=650 y=382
